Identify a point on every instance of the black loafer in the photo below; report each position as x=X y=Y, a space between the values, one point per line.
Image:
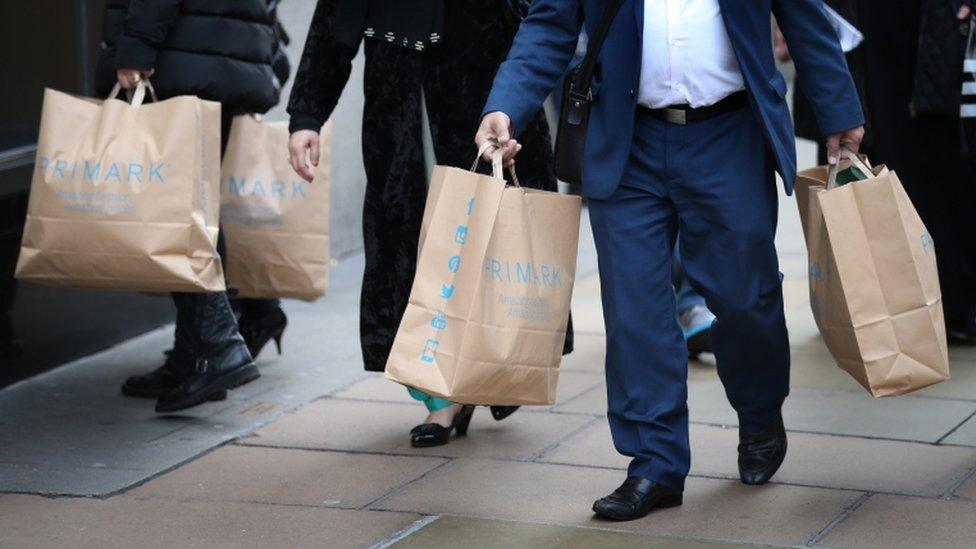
x=432 y=434
x=761 y=453
x=636 y=498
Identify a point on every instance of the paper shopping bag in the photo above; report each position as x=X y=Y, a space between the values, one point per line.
x=487 y=315
x=275 y=223
x=874 y=285
x=124 y=196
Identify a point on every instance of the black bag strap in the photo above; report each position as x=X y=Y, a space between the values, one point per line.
x=593 y=47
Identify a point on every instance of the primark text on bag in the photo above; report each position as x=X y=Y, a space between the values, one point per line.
x=275 y=223
x=125 y=196
x=487 y=315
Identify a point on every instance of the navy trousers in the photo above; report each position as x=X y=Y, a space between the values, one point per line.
x=712 y=183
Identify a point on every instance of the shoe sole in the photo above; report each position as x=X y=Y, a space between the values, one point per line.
x=666 y=503
x=227 y=382
x=137 y=393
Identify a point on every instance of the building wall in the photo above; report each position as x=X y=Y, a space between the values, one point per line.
x=348 y=177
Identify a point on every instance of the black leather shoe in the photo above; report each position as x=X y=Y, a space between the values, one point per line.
x=502 y=412
x=761 y=453
x=433 y=434
x=259 y=329
x=636 y=498
x=222 y=359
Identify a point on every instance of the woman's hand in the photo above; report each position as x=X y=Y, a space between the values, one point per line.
x=128 y=78
x=964 y=10
x=497 y=126
x=303 y=153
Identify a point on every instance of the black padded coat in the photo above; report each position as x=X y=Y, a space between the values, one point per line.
x=219 y=50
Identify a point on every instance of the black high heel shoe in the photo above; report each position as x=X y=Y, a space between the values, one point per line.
x=502 y=412
x=258 y=331
x=433 y=434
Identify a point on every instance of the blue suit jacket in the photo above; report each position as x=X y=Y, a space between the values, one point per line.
x=546 y=42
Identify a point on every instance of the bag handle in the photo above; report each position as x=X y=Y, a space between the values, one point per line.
x=855 y=159
x=496 y=162
x=139 y=95
x=593 y=47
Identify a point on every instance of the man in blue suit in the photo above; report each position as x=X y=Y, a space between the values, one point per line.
x=687 y=126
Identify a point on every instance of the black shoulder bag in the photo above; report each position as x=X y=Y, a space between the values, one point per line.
x=574 y=114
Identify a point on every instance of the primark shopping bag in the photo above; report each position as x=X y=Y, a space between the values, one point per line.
x=124 y=196
x=874 y=285
x=486 y=321
x=276 y=224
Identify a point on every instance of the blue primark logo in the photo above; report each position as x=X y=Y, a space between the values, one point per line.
x=523 y=272
x=97 y=171
x=275 y=189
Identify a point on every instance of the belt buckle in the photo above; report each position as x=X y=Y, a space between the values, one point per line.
x=676 y=116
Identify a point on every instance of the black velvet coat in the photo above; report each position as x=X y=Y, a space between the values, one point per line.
x=452 y=79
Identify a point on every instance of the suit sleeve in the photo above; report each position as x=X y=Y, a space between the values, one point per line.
x=820 y=64
x=322 y=73
x=540 y=55
x=147 y=23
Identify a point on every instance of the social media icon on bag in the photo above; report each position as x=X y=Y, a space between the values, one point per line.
x=454 y=264
x=439 y=322
x=447 y=290
x=430 y=350
x=461 y=234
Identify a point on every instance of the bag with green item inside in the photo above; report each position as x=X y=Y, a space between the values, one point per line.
x=874 y=285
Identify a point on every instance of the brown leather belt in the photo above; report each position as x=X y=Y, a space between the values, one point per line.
x=683 y=114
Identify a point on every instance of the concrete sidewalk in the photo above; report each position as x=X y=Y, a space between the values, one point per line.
x=331 y=466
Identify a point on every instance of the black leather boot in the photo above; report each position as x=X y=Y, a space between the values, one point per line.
x=221 y=359
x=178 y=365
x=262 y=321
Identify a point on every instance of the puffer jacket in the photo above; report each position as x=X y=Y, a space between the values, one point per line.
x=941 y=48
x=221 y=50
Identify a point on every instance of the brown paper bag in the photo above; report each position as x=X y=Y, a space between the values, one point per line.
x=275 y=223
x=486 y=321
x=874 y=285
x=124 y=197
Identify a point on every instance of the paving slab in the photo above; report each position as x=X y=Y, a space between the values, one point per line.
x=968 y=488
x=852 y=412
x=965 y=434
x=450 y=532
x=57 y=426
x=286 y=476
x=895 y=522
x=342 y=425
x=32 y=521
x=586 y=306
x=377 y=388
x=537 y=492
x=589 y=354
x=813 y=460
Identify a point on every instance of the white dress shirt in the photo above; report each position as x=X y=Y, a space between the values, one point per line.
x=687 y=57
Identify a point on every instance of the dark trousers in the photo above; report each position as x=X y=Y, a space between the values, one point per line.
x=709 y=184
